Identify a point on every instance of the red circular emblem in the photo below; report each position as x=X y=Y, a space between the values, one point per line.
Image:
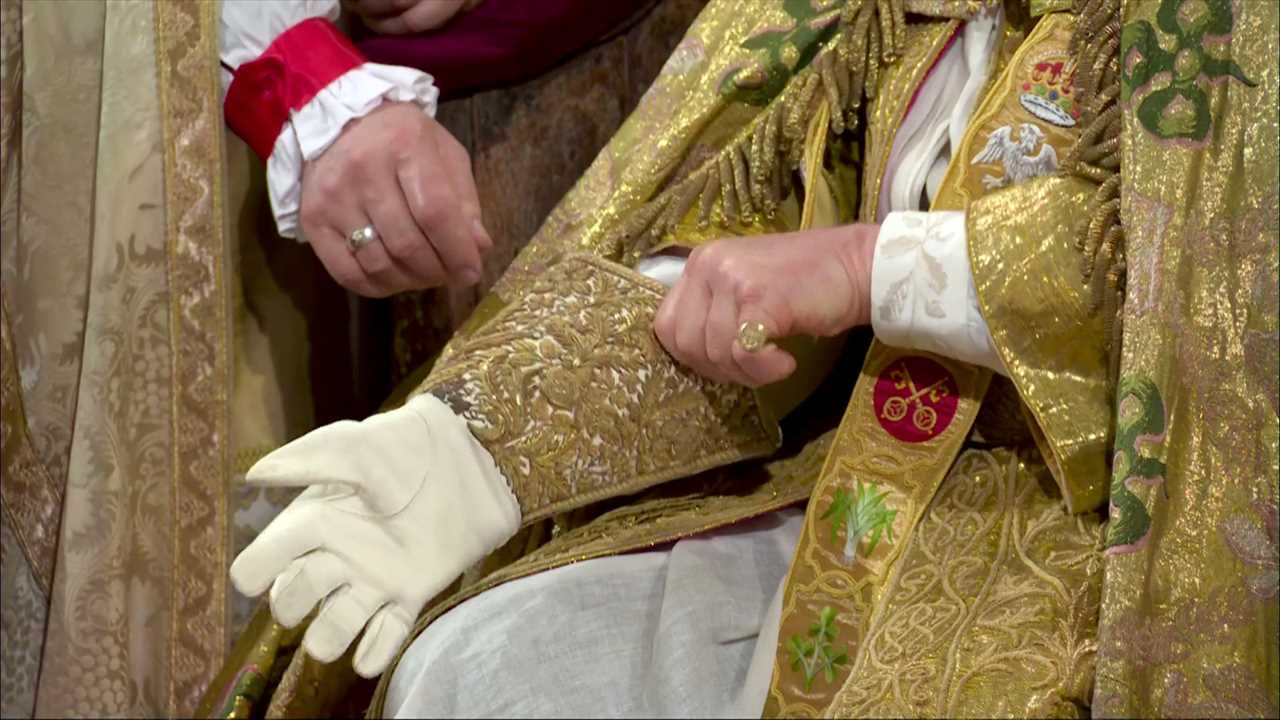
x=915 y=399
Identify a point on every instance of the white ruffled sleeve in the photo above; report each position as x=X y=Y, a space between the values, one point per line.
x=248 y=28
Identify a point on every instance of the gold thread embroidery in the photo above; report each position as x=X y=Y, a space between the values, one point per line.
x=994 y=603
x=910 y=472
x=31 y=499
x=570 y=391
x=186 y=60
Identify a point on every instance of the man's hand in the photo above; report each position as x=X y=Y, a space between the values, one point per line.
x=814 y=282
x=397 y=17
x=401 y=172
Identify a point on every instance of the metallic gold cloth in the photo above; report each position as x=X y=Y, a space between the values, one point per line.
x=853 y=608
x=851 y=581
x=992 y=606
x=571 y=366
x=1189 y=615
x=1025 y=264
x=993 y=610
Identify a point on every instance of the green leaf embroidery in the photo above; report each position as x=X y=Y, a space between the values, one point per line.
x=861 y=513
x=815 y=654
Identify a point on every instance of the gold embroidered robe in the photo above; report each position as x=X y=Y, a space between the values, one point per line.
x=954 y=552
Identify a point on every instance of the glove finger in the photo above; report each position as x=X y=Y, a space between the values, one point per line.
x=306 y=581
x=380 y=458
x=341 y=617
x=383 y=638
x=291 y=535
x=307 y=460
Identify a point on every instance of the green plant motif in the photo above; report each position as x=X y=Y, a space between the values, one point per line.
x=1139 y=424
x=1174 y=105
x=815 y=653
x=787 y=51
x=861 y=513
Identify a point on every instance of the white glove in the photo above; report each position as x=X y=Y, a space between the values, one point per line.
x=398 y=506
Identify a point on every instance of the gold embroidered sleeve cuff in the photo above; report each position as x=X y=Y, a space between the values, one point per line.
x=1026 y=270
x=569 y=390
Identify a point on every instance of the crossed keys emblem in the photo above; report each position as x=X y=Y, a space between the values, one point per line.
x=924 y=417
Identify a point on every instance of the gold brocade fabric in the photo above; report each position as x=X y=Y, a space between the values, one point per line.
x=994 y=603
x=994 y=607
x=681 y=120
x=832 y=606
x=85 y=294
x=1189 y=622
x=682 y=117
x=1026 y=268
x=572 y=366
x=871 y=494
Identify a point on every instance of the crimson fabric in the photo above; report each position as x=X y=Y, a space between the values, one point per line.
x=503 y=42
x=294 y=67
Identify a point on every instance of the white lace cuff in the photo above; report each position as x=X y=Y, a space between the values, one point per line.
x=313 y=129
x=922 y=291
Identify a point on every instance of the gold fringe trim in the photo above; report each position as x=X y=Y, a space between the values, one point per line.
x=750 y=176
x=1096 y=156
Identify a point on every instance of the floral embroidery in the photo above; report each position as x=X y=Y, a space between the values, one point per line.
x=1140 y=424
x=1169 y=85
x=816 y=653
x=1254 y=543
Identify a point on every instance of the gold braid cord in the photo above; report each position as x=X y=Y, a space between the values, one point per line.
x=751 y=174
x=1096 y=157
x=577 y=402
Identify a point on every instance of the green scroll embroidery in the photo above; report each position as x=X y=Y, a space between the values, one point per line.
x=1140 y=424
x=787 y=51
x=1174 y=105
x=817 y=653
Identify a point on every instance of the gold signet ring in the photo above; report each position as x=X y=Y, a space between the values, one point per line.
x=751 y=336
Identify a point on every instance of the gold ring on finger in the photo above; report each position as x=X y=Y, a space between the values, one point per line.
x=752 y=336
x=359 y=238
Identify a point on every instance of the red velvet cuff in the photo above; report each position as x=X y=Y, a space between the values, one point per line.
x=286 y=76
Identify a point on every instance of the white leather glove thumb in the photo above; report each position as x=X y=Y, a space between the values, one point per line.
x=398 y=506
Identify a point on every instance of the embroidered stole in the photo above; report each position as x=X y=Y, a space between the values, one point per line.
x=910 y=411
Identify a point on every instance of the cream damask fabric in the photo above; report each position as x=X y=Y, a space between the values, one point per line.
x=85 y=290
x=113 y=529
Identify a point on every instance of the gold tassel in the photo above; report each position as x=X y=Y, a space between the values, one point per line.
x=751 y=174
x=710 y=191
x=1096 y=156
x=746 y=209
